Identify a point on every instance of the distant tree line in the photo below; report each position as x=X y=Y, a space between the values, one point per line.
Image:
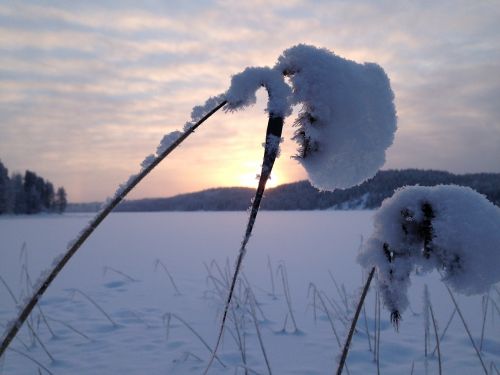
x=302 y=196
x=29 y=194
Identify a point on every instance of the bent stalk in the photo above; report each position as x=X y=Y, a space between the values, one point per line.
x=40 y=290
x=467 y=329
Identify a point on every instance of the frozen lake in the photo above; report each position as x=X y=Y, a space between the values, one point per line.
x=116 y=269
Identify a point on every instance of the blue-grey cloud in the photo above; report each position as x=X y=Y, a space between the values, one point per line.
x=89 y=88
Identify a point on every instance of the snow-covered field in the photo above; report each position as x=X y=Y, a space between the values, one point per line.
x=149 y=326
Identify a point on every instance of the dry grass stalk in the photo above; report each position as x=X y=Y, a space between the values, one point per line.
x=270 y=267
x=434 y=324
x=121 y=273
x=486 y=299
x=378 y=334
x=446 y=328
x=29 y=283
x=169 y=275
x=34 y=335
x=288 y=297
x=467 y=329
x=317 y=295
x=169 y=316
x=97 y=306
x=273 y=136
x=493 y=366
x=253 y=303
x=40 y=365
x=70 y=327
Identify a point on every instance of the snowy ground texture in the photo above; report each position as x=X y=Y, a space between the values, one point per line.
x=147 y=327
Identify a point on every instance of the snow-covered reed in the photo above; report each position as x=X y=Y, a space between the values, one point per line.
x=450 y=228
x=168 y=144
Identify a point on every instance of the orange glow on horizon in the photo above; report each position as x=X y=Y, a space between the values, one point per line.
x=252 y=180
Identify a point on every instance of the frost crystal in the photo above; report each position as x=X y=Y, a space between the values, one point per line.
x=167 y=141
x=450 y=228
x=199 y=111
x=148 y=160
x=244 y=85
x=347 y=120
x=124 y=186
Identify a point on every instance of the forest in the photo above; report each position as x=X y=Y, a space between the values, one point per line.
x=302 y=196
x=29 y=194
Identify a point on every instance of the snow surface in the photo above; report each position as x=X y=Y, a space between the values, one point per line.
x=458 y=235
x=310 y=244
x=348 y=117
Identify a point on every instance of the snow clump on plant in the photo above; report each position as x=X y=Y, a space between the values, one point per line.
x=450 y=228
x=244 y=85
x=348 y=117
x=199 y=111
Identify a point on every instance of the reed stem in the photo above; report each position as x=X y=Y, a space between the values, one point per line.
x=26 y=310
x=273 y=137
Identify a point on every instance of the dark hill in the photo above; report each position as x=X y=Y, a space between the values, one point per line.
x=302 y=196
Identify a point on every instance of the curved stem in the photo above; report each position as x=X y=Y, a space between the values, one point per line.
x=26 y=310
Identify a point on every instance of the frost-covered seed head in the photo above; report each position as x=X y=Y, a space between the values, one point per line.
x=446 y=227
x=347 y=120
x=244 y=86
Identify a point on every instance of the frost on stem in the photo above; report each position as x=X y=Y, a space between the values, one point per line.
x=244 y=85
x=123 y=187
x=199 y=111
x=167 y=141
x=446 y=227
x=347 y=119
x=148 y=160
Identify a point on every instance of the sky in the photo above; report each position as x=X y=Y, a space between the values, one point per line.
x=89 y=88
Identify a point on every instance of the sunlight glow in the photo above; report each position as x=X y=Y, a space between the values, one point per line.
x=252 y=180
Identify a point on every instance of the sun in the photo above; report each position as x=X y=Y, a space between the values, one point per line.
x=252 y=180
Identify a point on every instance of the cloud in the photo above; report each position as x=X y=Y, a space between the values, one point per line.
x=89 y=88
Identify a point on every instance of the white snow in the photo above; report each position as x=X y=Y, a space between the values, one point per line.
x=460 y=236
x=124 y=186
x=167 y=141
x=244 y=85
x=309 y=243
x=148 y=160
x=347 y=120
x=199 y=111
